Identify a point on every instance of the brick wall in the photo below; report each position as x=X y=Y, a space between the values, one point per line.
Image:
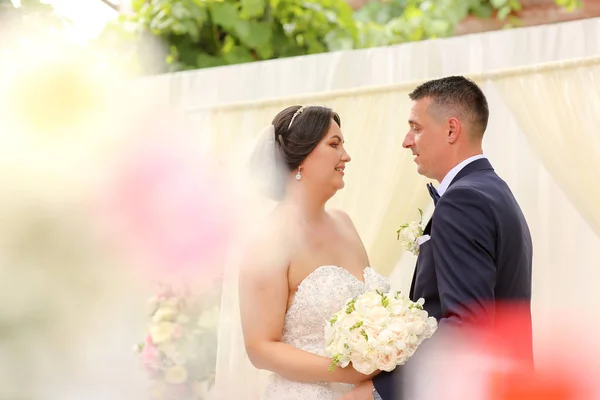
x=534 y=12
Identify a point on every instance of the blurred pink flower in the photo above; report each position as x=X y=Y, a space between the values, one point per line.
x=150 y=356
x=171 y=210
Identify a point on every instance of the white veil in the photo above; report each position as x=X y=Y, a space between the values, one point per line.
x=236 y=377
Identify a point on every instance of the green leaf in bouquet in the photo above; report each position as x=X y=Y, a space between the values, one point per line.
x=333 y=320
x=364 y=333
x=357 y=325
x=335 y=361
x=350 y=306
x=385 y=301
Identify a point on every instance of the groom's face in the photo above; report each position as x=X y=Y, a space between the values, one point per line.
x=426 y=139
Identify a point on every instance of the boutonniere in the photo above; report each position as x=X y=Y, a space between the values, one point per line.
x=409 y=233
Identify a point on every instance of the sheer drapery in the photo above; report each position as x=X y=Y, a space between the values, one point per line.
x=558 y=109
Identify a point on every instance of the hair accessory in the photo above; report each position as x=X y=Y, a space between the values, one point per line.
x=300 y=110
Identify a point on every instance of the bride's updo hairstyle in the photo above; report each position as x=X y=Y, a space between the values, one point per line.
x=297 y=130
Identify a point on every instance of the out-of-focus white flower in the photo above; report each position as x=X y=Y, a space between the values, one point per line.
x=176 y=375
x=164 y=314
x=161 y=332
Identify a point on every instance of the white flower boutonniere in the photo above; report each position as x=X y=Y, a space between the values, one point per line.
x=409 y=233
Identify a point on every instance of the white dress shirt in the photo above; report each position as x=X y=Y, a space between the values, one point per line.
x=454 y=171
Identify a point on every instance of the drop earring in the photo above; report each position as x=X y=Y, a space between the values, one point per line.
x=298 y=175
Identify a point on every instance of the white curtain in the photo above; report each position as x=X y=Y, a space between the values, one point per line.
x=558 y=110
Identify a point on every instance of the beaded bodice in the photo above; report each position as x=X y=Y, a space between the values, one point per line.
x=320 y=295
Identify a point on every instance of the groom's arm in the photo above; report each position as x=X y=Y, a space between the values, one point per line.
x=464 y=244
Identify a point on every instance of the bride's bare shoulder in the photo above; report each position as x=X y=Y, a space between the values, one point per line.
x=267 y=244
x=342 y=218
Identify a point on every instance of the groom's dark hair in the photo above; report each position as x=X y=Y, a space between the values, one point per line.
x=456 y=94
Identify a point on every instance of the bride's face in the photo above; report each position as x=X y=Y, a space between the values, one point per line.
x=324 y=166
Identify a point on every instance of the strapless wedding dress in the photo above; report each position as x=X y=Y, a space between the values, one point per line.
x=320 y=295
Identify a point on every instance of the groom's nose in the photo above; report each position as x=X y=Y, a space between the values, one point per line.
x=409 y=140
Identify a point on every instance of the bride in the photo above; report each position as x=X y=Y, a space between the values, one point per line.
x=304 y=262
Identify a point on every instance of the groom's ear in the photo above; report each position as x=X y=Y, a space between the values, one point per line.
x=453 y=130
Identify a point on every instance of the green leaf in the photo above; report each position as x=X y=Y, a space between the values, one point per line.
x=238 y=55
x=515 y=5
x=504 y=12
x=484 y=10
x=356 y=325
x=205 y=60
x=258 y=34
x=253 y=8
x=224 y=14
x=497 y=4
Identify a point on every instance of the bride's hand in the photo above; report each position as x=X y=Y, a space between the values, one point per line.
x=350 y=375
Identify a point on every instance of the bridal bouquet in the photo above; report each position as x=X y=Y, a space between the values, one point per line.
x=377 y=331
x=179 y=351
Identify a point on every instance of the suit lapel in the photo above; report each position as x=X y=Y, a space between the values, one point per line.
x=481 y=164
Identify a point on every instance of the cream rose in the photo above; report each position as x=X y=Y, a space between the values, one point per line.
x=176 y=375
x=161 y=332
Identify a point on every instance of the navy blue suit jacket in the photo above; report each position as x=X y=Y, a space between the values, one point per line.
x=480 y=252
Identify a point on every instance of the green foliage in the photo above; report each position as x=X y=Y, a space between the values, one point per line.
x=208 y=33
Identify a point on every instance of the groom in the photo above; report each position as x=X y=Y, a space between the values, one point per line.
x=476 y=251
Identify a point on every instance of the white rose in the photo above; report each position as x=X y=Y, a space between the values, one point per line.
x=362 y=364
x=386 y=358
x=347 y=322
x=164 y=314
x=367 y=300
x=358 y=342
x=416 y=328
x=176 y=375
x=398 y=326
x=161 y=332
x=385 y=336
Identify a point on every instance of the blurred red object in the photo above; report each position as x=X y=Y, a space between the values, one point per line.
x=496 y=361
x=556 y=385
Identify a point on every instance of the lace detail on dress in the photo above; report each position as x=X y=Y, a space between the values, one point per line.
x=320 y=295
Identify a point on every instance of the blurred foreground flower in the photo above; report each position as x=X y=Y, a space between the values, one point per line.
x=170 y=210
x=178 y=357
